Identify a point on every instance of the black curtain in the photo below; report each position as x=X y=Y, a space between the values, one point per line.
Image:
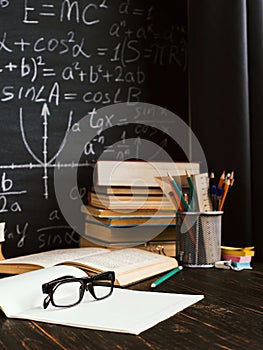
x=255 y=67
x=225 y=53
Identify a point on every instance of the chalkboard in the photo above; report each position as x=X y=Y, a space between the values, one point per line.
x=61 y=60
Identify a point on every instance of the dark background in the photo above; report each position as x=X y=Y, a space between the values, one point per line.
x=135 y=51
x=200 y=59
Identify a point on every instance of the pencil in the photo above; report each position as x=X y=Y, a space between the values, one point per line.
x=177 y=193
x=183 y=205
x=173 y=199
x=232 y=179
x=225 y=190
x=221 y=180
x=176 y=199
x=219 y=197
x=165 y=277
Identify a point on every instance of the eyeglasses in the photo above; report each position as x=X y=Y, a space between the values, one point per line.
x=68 y=291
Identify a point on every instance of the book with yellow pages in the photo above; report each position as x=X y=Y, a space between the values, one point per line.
x=119 y=237
x=122 y=213
x=158 y=245
x=130 y=264
x=124 y=222
x=129 y=219
x=129 y=201
x=126 y=236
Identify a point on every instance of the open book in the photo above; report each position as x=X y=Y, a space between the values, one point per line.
x=130 y=265
x=21 y=297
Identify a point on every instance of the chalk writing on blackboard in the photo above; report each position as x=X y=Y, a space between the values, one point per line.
x=61 y=60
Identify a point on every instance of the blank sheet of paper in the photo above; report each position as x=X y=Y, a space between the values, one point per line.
x=127 y=311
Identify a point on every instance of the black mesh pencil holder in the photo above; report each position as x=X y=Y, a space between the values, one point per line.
x=198 y=238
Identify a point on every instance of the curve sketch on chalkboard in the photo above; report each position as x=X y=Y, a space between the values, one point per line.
x=61 y=61
x=45 y=163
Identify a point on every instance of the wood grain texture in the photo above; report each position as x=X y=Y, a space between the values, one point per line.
x=229 y=317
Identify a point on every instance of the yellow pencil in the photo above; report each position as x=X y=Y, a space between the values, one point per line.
x=225 y=190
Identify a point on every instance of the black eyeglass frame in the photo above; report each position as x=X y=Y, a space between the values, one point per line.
x=87 y=283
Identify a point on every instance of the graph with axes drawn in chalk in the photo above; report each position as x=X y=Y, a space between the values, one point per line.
x=46 y=162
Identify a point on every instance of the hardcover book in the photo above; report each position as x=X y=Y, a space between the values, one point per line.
x=130 y=265
x=139 y=173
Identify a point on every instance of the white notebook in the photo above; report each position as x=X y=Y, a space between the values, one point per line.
x=21 y=297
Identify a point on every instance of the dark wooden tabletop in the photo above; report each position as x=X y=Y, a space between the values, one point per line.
x=229 y=317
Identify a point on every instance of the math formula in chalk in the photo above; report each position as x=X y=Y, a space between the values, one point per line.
x=61 y=61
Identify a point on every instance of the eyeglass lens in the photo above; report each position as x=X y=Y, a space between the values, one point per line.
x=101 y=288
x=70 y=292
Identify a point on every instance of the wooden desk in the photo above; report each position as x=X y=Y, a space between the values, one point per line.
x=230 y=317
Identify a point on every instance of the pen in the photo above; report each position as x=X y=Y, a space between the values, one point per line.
x=212 y=180
x=213 y=197
x=165 y=277
x=191 y=185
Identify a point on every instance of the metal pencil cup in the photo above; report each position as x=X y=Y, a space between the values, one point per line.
x=198 y=238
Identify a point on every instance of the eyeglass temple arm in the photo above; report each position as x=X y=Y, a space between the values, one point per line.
x=46 y=286
x=46 y=301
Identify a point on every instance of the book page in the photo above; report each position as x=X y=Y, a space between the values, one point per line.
x=124 y=260
x=53 y=257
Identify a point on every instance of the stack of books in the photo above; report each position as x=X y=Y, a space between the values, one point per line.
x=127 y=206
x=240 y=257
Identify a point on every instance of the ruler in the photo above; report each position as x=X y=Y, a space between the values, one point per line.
x=201 y=183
